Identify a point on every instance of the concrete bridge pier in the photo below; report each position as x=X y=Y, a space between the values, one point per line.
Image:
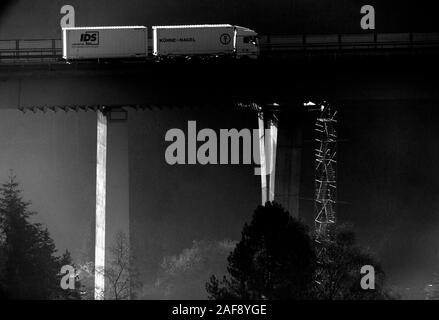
x=267 y=137
x=101 y=189
x=112 y=194
x=280 y=152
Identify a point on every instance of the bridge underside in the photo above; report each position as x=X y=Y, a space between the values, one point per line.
x=149 y=85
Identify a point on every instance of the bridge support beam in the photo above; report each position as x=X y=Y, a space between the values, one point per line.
x=267 y=155
x=262 y=158
x=101 y=188
x=112 y=195
x=272 y=124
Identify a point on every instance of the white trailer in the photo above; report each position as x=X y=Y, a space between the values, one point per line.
x=105 y=42
x=204 y=40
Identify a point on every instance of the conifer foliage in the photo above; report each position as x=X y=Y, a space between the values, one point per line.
x=29 y=266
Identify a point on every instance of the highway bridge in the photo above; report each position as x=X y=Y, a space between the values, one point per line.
x=343 y=69
x=271 y=46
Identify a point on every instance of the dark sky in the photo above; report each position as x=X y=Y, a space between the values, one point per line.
x=40 y=18
x=388 y=168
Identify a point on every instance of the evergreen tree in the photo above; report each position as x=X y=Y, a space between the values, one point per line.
x=30 y=267
x=275 y=259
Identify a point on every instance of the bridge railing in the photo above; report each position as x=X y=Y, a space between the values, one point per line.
x=51 y=49
x=332 y=42
x=30 y=49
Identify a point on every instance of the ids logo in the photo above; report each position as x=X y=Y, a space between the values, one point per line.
x=90 y=37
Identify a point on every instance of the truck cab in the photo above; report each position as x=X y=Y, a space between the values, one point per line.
x=246 y=43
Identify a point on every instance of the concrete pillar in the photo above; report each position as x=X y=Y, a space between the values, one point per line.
x=262 y=159
x=267 y=155
x=101 y=175
x=272 y=124
x=288 y=166
x=112 y=194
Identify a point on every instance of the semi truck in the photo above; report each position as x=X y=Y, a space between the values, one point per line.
x=204 y=40
x=105 y=42
x=129 y=42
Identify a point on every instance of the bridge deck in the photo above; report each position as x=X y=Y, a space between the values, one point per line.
x=40 y=50
x=288 y=82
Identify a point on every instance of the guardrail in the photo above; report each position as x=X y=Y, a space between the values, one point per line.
x=340 y=42
x=29 y=50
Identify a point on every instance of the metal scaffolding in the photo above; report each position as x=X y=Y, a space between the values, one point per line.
x=325 y=172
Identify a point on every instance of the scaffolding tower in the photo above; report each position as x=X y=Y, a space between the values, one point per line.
x=325 y=172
